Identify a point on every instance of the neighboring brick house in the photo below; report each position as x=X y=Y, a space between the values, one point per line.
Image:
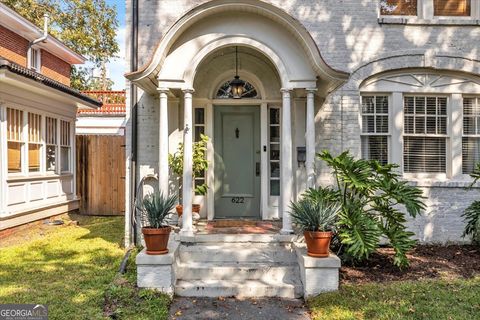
x=37 y=130
x=393 y=80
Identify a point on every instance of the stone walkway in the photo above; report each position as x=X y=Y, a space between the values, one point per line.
x=235 y=309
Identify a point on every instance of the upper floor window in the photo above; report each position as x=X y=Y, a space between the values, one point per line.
x=451 y=8
x=431 y=11
x=398 y=7
x=35 y=59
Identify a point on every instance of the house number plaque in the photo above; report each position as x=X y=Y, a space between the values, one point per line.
x=238 y=200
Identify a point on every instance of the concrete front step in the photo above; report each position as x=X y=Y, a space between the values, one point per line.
x=268 y=272
x=243 y=288
x=237 y=252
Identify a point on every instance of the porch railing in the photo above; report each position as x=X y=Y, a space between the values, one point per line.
x=113 y=102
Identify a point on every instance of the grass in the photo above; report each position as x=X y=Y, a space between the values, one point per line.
x=73 y=269
x=434 y=299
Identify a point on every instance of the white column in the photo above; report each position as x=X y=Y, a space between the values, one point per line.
x=286 y=171
x=187 y=224
x=3 y=158
x=163 y=142
x=310 y=138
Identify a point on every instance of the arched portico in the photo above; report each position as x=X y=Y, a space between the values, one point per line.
x=286 y=52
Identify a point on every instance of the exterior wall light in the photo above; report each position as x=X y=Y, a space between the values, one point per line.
x=238 y=86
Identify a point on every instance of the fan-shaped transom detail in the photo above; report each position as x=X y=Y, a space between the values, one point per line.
x=225 y=91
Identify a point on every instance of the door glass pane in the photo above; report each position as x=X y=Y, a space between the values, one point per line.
x=274 y=116
x=274 y=187
x=275 y=170
x=275 y=152
x=275 y=134
x=199 y=116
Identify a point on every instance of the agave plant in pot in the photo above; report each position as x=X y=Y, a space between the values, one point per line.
x=317 y=220
x=154 y=211
x=200 y=165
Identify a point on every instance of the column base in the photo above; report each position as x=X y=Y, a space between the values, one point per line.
x=187 y=232
x=286 y=231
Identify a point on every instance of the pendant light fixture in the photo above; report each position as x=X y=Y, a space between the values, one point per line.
x=237 y=85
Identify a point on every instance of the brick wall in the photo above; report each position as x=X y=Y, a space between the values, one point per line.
x=350 y=38
x=14 y=48
x=55 y=68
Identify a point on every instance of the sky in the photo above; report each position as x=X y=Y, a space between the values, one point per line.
x=116 y=67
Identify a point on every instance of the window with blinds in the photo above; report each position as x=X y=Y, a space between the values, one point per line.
x=398 y=7
x=34 y=141
x=51 y=144
x=14 y=140
x=471 y=134
x=458 y=8
x=425 y=134
x=375 y=128
x=65 y=145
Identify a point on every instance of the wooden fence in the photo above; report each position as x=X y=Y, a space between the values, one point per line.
x=101 y=174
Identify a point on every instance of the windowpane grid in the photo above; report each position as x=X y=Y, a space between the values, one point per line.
x=425 y=130
x=398 y=7
x=51 y=141
x=375 y=128
x=274 y=146
x=65 y=145
x=14 y=140
x=451 y=8
x=199 y=125
x=471 y=132
x=34 y=141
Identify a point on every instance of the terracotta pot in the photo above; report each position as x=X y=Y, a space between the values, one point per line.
x=195 y=208
x=156 y=240
x=318 y=243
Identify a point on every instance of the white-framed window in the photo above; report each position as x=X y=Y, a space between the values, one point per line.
x=274 y=150
x=430 y=9
x=15 y=140
x=425 y=134
x=471 y=134
x=375 y=127
x=51 y=144
x=35 y=60
x=34 y=142
x=199 y=129
x=65 y=146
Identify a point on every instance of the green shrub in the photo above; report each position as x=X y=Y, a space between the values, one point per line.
x=155 y=209
x=371 y=197
x=311 y=215
x=472 y=213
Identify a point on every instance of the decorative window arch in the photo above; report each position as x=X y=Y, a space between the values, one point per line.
x=423 y=120
x=225 y=91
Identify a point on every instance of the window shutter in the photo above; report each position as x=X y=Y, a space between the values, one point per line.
x=398 y=7
x=452 y=7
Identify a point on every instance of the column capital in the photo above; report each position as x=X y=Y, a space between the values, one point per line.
x=311 y=90
x=163 y=90
x=188 y=91
x=286 y=90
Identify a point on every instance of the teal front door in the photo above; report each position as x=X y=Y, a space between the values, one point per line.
x=237 y=162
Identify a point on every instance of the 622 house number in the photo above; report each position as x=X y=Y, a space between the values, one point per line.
x=238 y=200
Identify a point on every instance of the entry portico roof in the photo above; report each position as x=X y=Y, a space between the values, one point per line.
x=278 y=36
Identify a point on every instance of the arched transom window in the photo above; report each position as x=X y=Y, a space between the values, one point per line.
x=225 y=91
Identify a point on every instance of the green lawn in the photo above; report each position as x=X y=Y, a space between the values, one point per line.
x=439 y=299
x=73 y=269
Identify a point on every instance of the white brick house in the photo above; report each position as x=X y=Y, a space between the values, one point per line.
x=394 y=80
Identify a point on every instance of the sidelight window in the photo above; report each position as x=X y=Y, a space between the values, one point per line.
x=274 y=147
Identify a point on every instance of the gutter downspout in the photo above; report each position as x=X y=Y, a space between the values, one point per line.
x=41 y=39
x=131 y=224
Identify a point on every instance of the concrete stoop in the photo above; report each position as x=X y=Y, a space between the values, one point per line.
x=251 y=267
